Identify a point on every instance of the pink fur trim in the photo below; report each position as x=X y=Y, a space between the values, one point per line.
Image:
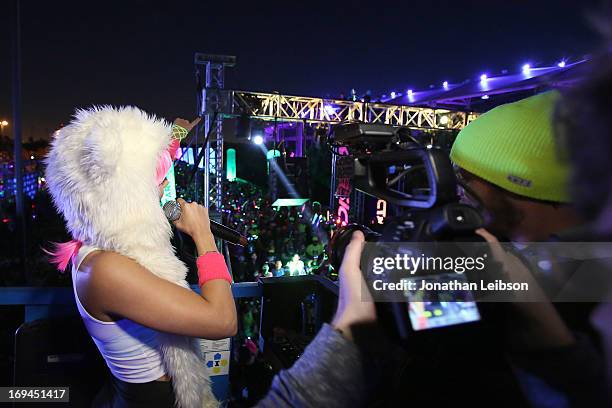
x=165 y=161
x=174 y=146
x=63 y=252
x=163 y=165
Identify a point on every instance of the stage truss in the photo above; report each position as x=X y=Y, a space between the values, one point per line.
x=268 y=106
x=216 y=103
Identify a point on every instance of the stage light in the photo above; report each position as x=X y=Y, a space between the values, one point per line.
x=392 y=95
x=445 y=84
x=526 y=69
x=483 y=78
x=410 y=92
x=484 y=97
x=258 y=139
x=231 y=164
x=443 y=120
x=429 y=146
x=31 y=157
x=561 y=64
x=330 y=110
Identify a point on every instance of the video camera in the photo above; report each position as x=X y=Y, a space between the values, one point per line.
x=389 y=163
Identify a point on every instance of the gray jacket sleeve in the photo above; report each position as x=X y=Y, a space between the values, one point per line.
x=330 y=373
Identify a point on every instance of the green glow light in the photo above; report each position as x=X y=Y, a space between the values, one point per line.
x=231 y=164
x=170 y=190
x=289 y=202
x=272 y=153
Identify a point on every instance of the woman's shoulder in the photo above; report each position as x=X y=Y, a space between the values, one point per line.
x=99 y=258
x=106 y=265
x=97 y=276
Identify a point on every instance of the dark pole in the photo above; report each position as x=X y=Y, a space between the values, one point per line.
x=16 y=63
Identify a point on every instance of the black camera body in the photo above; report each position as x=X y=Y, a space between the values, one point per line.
x=447 y=340
x=431 y=211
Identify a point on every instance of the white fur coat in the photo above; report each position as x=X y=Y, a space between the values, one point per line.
x=101 y=175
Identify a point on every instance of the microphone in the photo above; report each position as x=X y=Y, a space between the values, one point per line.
x=172 y=210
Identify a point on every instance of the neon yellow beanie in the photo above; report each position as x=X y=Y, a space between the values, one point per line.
x=512 y=146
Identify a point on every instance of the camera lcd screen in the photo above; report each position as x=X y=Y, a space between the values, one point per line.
x=429 y=309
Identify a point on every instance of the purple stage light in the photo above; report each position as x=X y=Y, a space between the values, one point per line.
x=561 y=64
x=445 y=84
x=526 y=69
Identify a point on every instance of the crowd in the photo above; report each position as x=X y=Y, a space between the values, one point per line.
x=283 y=241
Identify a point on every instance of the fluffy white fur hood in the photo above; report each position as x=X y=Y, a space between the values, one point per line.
x=101 y=175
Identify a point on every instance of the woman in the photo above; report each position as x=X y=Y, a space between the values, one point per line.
x=105 y=171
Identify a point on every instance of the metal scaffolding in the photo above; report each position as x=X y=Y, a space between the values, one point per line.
x=302 y=108
x=215 y=103
x=210 y=74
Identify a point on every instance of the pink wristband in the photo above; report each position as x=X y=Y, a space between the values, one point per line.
x=211 y=266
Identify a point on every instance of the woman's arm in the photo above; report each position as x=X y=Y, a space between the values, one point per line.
x=117 y=285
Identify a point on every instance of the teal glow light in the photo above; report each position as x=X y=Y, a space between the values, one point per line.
x=271 y=154
x=170 y=190
x=231 y=164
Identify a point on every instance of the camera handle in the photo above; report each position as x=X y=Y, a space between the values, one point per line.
x=371 y=177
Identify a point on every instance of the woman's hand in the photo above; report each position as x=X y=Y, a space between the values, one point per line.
x=194 y=219
x=355 y=304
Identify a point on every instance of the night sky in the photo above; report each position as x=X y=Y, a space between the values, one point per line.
x=76 y=54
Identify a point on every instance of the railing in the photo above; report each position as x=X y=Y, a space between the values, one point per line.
x=50 y=302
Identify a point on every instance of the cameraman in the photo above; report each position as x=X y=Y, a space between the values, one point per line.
x=509 y=167
x=332 y=371
x=508 y=164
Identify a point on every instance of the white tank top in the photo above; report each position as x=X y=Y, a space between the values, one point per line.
x=130 y=349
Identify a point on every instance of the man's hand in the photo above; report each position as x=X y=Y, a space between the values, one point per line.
x=355 y=304
x=542 y=326
x=184 y=123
